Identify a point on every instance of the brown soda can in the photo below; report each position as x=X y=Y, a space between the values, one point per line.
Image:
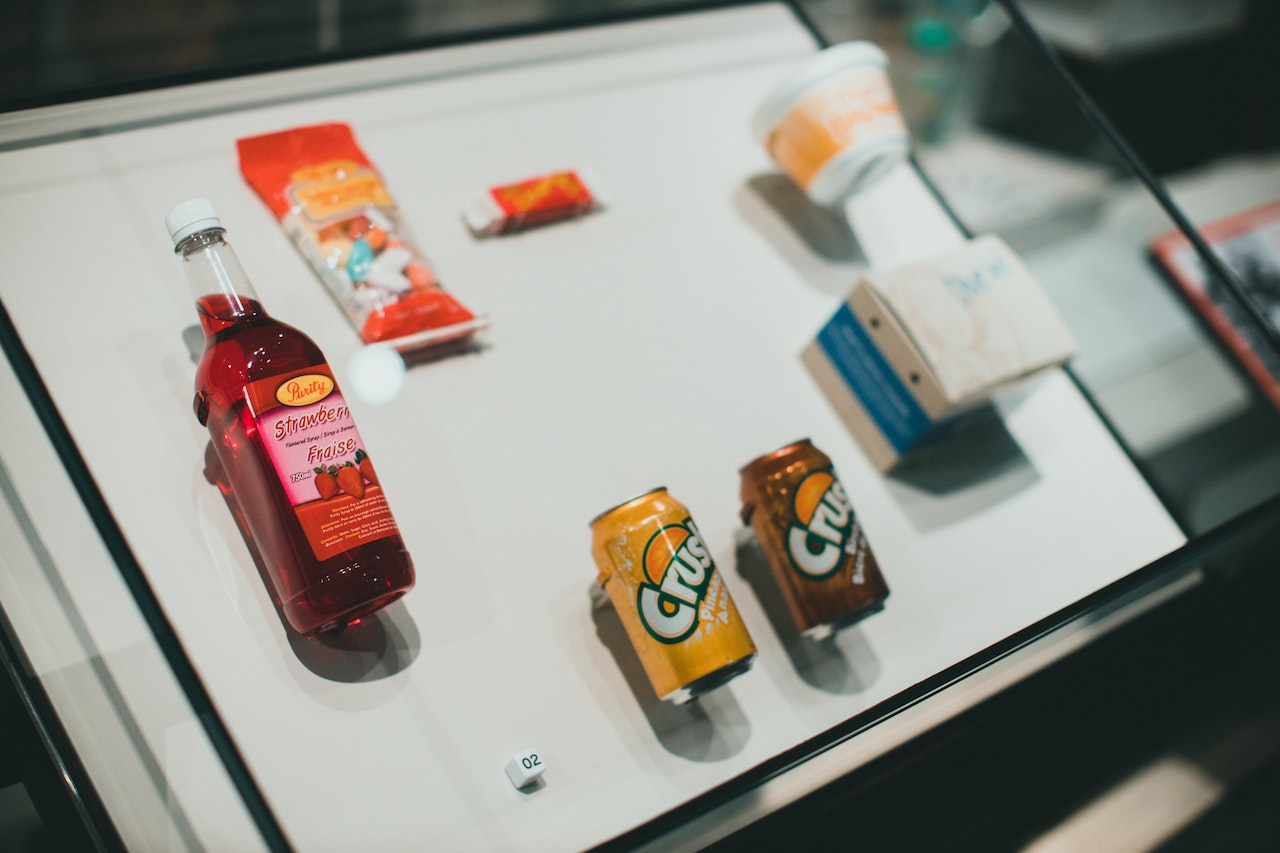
x=672 y=602
x=817 y=553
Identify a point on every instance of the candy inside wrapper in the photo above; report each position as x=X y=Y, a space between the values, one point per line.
x=333 y=204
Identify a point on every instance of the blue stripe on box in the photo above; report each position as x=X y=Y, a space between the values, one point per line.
x=867 y=373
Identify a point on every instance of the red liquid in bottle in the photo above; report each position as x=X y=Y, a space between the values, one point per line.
x=244 y=345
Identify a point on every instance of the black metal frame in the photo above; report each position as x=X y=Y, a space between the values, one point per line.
x=60 y=784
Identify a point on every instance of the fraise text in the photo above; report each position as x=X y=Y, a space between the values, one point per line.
x=335 y=450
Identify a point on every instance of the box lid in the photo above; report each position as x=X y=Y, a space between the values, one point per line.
x=977 y=316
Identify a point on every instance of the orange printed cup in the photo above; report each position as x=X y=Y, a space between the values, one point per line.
x=834 y=127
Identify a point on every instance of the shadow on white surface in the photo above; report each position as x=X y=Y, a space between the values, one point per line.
x=962 y=478
x=193 y=340
x=712 y=727
x=808 y=237
x=842 y=663
x=378 y=646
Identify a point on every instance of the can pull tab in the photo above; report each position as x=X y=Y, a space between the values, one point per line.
x=201 y=407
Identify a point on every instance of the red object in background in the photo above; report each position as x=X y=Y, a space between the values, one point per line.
x=528 y=204
x=541 y=200
x=1248 y=243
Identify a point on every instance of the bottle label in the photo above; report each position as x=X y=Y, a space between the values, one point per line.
x=849 y=110
x=312 y=440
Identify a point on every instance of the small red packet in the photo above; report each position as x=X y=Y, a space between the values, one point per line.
x=332 y=202
x=530 y=203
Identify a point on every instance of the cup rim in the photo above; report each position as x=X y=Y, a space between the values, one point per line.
x=822 y=65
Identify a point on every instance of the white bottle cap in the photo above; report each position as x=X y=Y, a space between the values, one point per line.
x=189 y=217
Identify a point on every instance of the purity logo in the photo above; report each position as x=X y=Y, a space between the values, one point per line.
x=821 y=536
x=679 y=570
x=304 y=390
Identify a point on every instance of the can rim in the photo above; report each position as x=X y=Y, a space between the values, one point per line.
x=775 y=453
x=620 y=505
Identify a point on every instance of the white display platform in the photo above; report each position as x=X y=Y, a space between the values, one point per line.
x=654 y=343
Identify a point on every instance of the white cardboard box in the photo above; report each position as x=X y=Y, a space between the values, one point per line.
x=917 y=352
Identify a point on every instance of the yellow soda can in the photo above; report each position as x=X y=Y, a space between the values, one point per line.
x=673 y=603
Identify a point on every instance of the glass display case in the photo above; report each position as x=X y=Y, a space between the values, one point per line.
x=656 y=341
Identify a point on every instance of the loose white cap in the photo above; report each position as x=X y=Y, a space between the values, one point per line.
x=377 y=374
x=189 y=217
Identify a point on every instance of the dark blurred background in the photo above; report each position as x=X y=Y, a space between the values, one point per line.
x=1182 y=79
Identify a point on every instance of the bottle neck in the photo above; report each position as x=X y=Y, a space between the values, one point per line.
x=219 y=285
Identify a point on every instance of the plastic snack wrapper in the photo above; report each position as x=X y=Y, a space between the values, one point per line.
x=532 y=203
x=335 y=207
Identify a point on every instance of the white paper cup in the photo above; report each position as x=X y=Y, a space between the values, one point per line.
x=834 y=127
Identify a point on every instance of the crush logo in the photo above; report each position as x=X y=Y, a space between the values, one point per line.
x=821 y=536
x=679 y=570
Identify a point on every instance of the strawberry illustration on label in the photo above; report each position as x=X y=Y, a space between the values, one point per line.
x=326 y=483
x=365 y=464
x=350 y=481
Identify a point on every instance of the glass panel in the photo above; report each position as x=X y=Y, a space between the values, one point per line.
x=1191 y=389
x=140 y=757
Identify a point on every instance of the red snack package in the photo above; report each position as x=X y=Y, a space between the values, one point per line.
x=333 y=204
x=530 y=203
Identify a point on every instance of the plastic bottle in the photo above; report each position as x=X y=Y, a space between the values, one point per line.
x=284 y=449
